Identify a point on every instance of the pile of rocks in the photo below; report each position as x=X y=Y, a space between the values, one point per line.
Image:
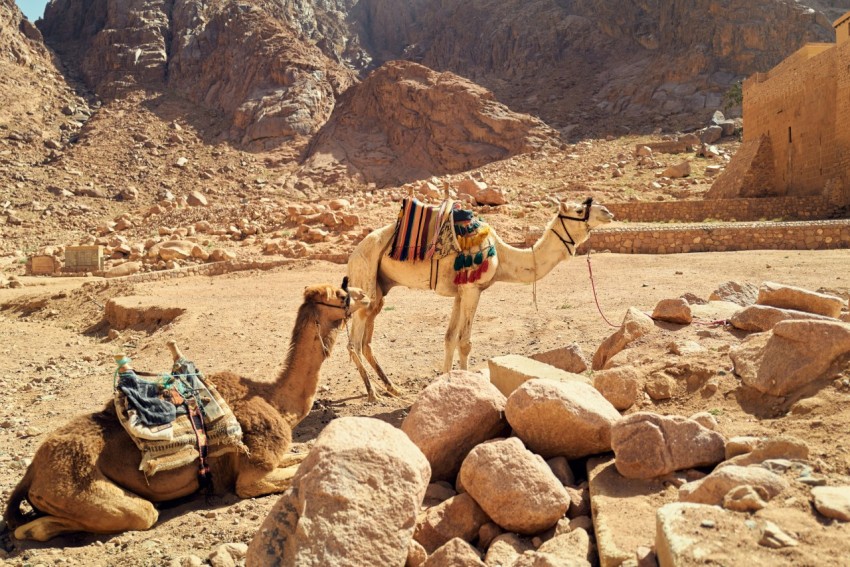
x=532 y=464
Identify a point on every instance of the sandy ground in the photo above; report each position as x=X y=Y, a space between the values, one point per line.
x=54 y=366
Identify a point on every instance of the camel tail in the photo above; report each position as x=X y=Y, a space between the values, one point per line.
x=13 y=515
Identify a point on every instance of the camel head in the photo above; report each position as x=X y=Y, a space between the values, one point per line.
x=574 y=221
x=592 y=213
x=335 y=303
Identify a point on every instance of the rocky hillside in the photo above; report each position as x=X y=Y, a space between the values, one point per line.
x=588 y=67
x=46 y=109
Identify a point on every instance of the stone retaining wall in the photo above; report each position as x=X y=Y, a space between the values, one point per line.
x=211 y=269
x=731 y=210
x=817 y=235
x=664 y=239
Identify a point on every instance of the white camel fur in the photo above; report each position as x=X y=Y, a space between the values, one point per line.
x=376 y=273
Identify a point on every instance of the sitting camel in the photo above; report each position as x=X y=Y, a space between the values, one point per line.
x=376 y=273
x=85 y=475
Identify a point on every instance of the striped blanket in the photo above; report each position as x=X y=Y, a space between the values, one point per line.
x=422 y=231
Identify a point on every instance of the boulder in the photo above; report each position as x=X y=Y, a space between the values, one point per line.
x=177 y=250
x=621 y=386
x=792 y=355
x=458 y=517
x=713 y=488
x=451 y=416
x=125 y=269
x=511 y=370
x=711 y=134
x=353 y=500
x=569 y=419
x=676 y=311
x=799 y=299
x=833 y=501
x=197 y=199
x=764 y=449
x=569 y=358
x=514 y=486
x=682 y=169
x=741 y=293
x=635 y=325
x=760 y=318
x=570 y=546
x=506 y=548
x=491 y=196
x=455 y=553
x=648 y=445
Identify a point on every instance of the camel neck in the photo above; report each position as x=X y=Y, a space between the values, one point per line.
x=527 y=265
x=295 y=388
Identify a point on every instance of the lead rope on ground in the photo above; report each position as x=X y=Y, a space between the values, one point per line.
x=595 y=298
x=715 y=323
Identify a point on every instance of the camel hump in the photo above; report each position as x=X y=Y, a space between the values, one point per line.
x=365 y=260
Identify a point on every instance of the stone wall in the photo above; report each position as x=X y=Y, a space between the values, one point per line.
x=796 y=208
x=818 y=235
x=803 y=105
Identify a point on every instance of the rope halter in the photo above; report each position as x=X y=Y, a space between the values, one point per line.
x=569 y=242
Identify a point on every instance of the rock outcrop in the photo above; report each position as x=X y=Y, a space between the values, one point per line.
x=236 y=59
x=407 y=122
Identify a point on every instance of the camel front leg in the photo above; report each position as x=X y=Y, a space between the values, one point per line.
x=370 y=356
x=253 y=481
x=469 y=305
x=356 y=337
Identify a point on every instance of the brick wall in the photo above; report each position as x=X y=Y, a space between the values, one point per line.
x=817 y=235
x=797 y=208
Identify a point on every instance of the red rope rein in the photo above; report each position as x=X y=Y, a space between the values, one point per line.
x=715 y=323
x=595 y=298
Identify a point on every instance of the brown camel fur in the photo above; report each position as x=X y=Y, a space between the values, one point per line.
x=85 y=476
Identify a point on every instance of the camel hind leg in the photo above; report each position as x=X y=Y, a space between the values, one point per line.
x=103 y=508
x=459 y=332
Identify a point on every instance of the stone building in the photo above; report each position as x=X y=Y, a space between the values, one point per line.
x=796 y=141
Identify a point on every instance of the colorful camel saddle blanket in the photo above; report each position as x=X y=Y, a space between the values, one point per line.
x=176 y=418
x=423 y=231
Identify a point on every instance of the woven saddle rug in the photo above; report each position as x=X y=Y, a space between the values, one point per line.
x=423 y=231
x=172 y=445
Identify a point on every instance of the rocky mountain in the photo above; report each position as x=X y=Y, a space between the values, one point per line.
x=269 y=83
x=274 y=69
x=591 y=65
x=407 y=122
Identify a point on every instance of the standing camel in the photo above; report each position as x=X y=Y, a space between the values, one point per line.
x=376 y=273
x=85 y=475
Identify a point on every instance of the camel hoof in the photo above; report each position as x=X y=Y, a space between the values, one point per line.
x=371 y=398
x=394 y=392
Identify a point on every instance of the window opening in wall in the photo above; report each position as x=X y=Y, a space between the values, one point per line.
x=789 y=134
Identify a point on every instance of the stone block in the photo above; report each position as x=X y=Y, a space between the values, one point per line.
x=623 y=510
x=510 y=371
